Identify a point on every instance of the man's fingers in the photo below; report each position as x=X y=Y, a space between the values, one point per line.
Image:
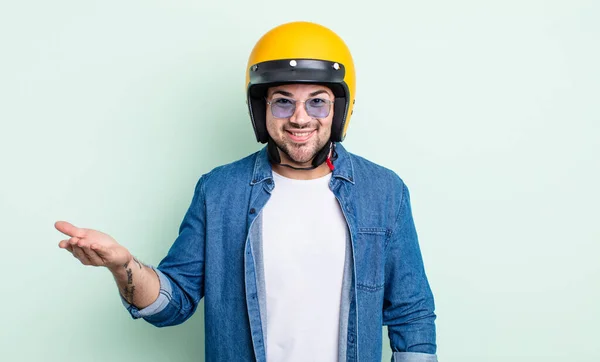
x=83 y=253
x=93 y=257
x=89 y=256
x=79 y=254
x=69 y=229
x=75 y=241
x=65 y=244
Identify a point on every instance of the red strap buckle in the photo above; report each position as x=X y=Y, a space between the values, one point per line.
x=328 y=161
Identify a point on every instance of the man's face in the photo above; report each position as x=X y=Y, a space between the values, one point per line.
x=299 y=136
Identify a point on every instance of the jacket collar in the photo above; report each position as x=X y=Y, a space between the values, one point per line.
x=344 y=169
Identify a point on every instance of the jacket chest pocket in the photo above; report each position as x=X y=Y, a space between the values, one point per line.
x=369 y=256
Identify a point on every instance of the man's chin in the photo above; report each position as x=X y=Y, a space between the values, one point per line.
x=301 y=156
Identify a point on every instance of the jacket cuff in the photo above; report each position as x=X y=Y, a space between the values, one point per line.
x=413 y=357
x=164 y=297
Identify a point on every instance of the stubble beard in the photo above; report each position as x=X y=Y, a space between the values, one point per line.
x=304 y=153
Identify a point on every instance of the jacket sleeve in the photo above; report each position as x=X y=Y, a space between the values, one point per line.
x=408 y=307
x=181 y=272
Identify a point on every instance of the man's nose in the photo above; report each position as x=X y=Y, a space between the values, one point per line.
x=300 y=116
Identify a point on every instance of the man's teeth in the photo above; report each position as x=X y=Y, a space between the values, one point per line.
x=301 y=134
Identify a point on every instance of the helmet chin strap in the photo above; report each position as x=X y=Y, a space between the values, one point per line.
x=326 y=154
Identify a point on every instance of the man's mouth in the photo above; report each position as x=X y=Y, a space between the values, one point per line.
x=300 y=137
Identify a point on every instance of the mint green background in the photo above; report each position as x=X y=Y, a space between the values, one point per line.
x=111 y=110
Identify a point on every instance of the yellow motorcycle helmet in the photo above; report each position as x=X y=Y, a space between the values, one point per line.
x=301 y=52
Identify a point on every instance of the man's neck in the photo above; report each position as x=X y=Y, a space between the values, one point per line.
x=284 y=171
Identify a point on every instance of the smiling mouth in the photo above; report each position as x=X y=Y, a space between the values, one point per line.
x=300 y=136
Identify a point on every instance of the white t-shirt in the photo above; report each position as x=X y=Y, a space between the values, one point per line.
x=304 y=243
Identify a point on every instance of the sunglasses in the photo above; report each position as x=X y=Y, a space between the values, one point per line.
x=286 y=107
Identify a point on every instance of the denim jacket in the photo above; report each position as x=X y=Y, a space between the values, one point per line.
x=218 y=256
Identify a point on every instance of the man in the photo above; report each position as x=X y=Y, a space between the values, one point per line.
x=302 y=250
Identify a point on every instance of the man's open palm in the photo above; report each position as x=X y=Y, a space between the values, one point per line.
x=93 y=247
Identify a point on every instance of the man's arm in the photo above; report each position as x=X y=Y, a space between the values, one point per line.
x=163 y=296
x=408 y=308
x=138 y=284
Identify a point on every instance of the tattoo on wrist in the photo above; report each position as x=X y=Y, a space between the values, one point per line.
x=129 y=289
x=135 y=260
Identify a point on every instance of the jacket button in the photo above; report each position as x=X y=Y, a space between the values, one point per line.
x=252 y=211
x=269 y=181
